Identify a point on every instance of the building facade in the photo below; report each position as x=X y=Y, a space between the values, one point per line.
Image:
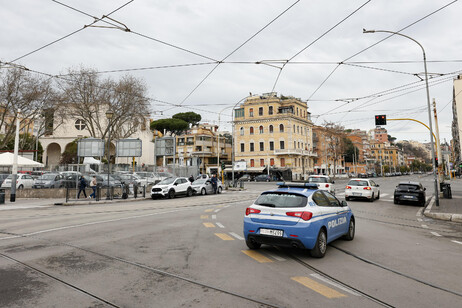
x=276 y=132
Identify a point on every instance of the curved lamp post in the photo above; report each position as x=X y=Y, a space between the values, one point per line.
x=437 y=199
x=109 y=115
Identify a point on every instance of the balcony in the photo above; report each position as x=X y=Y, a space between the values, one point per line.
x=203 y=153
x=295 y=152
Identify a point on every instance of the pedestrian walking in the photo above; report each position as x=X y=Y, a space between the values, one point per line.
x=82 y=186
x=214 y=181
x=93 y=184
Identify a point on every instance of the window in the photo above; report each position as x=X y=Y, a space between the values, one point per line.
x=281 y=128
x=242 y=147
x=262 y=162
x=271 y=129
x=271 y=145
x=251 y=112
x=252 y=163
x=262 y=146
x=239 y=113
x=251 y=147
x=260 y=111
x=80 y=124
x=283 y=162
x=281 y=144
x=270 y=110
x=320 y=199
x=242 y=131
x=272 y=161
x=261 y=129
x=251 y=130
x=295 y=144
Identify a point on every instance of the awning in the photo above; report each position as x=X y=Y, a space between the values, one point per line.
x=255 y=169
x=6 y=160
x=91 y=161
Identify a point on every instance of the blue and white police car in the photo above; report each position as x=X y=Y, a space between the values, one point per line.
x=298 y=215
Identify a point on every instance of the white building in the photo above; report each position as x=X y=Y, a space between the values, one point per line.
x=55 y=142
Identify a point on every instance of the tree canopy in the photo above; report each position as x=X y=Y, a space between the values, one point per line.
x=189 y=117
x=174 y=126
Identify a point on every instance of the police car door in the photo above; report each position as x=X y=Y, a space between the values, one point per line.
x=328 y=212
x=338 y=224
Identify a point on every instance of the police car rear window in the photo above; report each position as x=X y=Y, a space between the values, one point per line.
x=281 y=200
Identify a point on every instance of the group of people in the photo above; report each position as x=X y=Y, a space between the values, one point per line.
x=83 y=185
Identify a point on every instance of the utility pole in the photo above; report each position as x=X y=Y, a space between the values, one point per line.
x=438 y=145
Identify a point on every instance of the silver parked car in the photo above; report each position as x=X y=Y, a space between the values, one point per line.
x=49 y=180
x=204 y=187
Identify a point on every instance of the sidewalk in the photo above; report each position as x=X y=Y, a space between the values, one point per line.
x=449 y=209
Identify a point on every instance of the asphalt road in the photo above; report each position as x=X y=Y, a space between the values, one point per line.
x=189 y=252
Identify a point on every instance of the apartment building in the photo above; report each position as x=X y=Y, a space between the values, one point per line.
x=274 y=131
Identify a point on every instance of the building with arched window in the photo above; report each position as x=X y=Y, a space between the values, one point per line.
x=284 y=139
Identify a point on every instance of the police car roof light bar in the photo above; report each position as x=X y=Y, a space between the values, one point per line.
x=299 y=185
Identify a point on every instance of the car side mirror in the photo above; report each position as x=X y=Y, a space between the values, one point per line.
x=176 y=184
x=344 y=203
x=333 y=182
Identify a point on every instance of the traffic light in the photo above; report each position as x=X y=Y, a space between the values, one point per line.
x=381 y=119
x=223 y=165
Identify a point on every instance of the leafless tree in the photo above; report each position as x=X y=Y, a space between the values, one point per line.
x=335 y=146
x=27 y=92
x=88 y=97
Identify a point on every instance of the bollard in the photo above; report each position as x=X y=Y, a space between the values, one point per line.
x=2 y=196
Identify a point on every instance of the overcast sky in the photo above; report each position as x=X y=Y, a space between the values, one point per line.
x=174 y=46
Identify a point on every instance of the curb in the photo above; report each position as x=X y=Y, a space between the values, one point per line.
x=98 y=202
x=441 y=216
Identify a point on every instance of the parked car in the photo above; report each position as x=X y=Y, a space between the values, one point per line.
x=70 y=178
x=324 y=182
x=410 y=192
x=246 y=177
x=127 y=178
x=362 y=189
x=148 y=178
x=49 y=180
x=204 y=187
x=171 y=187
x=262 y=178
x=113 y=182
x=3 y=176
x=22 y=181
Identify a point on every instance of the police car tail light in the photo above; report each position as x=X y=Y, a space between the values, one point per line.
x=302 y=215
x=250 y=210
x=367 y=188
x=348 y=187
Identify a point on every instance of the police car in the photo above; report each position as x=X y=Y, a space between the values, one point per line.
x=298 y=215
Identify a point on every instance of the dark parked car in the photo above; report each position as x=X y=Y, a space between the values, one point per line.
x=262 y=178
x=410 y=192
x=246 y=177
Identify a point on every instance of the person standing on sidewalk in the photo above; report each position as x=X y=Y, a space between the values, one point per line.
x=82 y=186
x=93 y=184
x=214 y=181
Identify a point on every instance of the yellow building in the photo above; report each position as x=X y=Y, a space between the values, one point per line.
x=387 y=155
x=274 y=131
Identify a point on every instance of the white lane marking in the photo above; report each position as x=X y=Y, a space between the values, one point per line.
x=457 y=242
x=319 y=277
x=217 y=210
x=236 y=236
x=419 y=212
x=425 y=226
x=419 y=219
x=275 y=256
x=93 y=223
x=386 y=200
x=435 y=234
x=219 y=225
x=384 y=195
x=214 y=216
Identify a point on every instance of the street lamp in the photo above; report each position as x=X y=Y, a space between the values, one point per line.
x=109 y=115
x=437 y=198
x=15 y=160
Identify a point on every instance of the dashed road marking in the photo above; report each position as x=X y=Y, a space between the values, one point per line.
x=224 y=236
x=204 y=216
x=435 y=234
x=214 y=216
x=237 y=236
x=384 y=195
x=220 y=225
x=457 y=242
x=257 y=256
x=208 y=225
x=318 y=287
x=326 y=280
x=208 y=210
x=425 y=226
x=217 y=210
x=275 y=256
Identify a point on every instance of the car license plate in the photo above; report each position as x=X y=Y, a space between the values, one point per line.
x=408 y=197
x=356 y=194
x=271 y=232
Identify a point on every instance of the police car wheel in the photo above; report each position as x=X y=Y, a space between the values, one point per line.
x=252 y=244
x=171 y=194
x=203 y=191
x=320 y=247
x=351 y=231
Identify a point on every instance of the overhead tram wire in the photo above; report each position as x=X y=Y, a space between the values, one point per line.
x=239 y=47
x=317 y=39
x=375 y=44
x=70 y=34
